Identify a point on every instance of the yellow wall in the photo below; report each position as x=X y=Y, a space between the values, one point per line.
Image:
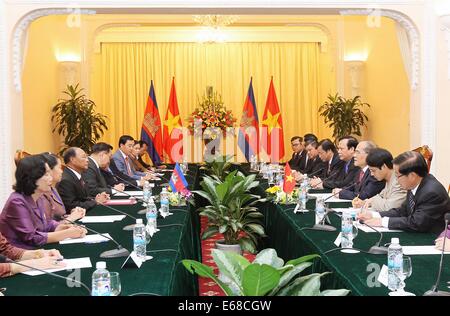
x=386 y=86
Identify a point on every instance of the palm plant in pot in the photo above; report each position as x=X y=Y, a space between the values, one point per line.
x=344 y=116
x=232 y=211
x=76 y=120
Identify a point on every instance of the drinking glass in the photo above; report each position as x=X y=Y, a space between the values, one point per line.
x=116 y=287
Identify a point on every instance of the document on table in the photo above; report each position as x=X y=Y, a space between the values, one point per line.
x=78 y=263
x=366 y=229
x=422 y=250
x=102 y=219
x=89 y=239
x=128 y=193
x=326 y=196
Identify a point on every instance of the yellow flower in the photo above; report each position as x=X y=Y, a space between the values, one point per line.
x=273 y=189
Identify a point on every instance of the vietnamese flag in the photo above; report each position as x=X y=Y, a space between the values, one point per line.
x=272 y=139
x=289 y=181
x=172 y=131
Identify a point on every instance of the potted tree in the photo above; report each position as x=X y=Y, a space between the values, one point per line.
x=345 y=116
x=76 y=120
x=232 y=211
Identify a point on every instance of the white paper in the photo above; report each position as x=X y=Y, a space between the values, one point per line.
x=366 y=229
x=70 y=264
x=128 y=193
x=422 y=250
x=326 y=196
x=383 y=276
x=338 y=240
x=89 y=239
x=102 y=219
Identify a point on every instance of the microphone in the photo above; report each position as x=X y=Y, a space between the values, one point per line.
x=434 y=290
x=128 y=227
x=321 y=225
x=143 y=211
x=115 y=253
x=6 y=259
x=330 y=176
x=128 y=183
x=376 y=249
x=315 y=172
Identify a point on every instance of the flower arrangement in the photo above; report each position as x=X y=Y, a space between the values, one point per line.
x=278 y=196
x=211 y=117
x=179 y=198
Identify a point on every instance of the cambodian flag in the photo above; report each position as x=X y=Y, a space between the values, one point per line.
x=248 y=139
x=177 y=180
x=151 y=131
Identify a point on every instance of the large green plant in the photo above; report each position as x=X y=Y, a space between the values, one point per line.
x=76 y=120
x=219 y=167
x=345 y=116
x=266 y=275
x=232 y=210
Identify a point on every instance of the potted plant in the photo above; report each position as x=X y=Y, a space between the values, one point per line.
x=219 y=167
x=266 y=275
x=76 y=120
x=232 y=211
x=345 y=116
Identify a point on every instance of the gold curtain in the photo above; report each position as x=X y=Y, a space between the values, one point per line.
x=123 y=71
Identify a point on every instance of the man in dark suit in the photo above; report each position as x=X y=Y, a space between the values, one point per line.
x=366 y=185
x=426 y=203
x=314 y=165
x=297 y=161
x=93 y=177
x=72 y=188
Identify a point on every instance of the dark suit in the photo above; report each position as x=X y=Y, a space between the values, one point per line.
x=431 y=202
x=314 y=166
x=95 y=182
x=297 y=161
x=109 y=177
x=341 y=174
x=143 y=163
x=117 y=177
x=365 y=189
x=73 y=192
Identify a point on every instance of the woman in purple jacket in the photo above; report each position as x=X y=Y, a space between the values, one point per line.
x=23 y=220
x=440 y=240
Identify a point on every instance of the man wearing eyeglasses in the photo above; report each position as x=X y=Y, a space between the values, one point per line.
x=426 y=201
x=297 y=161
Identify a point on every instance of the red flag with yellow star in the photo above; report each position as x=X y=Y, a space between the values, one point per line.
x=172 y=131
x=289 y=181
x=272 y=139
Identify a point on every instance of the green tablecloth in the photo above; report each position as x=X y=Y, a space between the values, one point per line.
x=163 y=275
x=288 y=234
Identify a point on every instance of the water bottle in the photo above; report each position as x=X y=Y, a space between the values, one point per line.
x=164 y=199
x=303 y=193
x=253 y=163
x=347 y=230
x=139 y=239
x=395 y=265
x=151 y=215
x=147 y=191
x=185 y=164
x=101 y=280
x=320 y=208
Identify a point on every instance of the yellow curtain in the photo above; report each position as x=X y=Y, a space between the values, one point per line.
x=123 y=71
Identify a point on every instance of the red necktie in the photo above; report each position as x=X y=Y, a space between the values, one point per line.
x=128 y=166
x=361 y=176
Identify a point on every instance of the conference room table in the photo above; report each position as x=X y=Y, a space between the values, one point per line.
x=164 y=274
x=290 y=235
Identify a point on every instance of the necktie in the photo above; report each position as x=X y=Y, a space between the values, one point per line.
x=128 y=166
x=361 y=176
x=82 y=182
x=411 y=201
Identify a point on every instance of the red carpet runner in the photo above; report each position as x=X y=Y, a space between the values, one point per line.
x=207 y=287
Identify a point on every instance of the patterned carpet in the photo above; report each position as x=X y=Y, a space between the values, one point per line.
x=207 y=287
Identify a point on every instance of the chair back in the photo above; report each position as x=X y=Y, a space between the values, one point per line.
x=19 y=155
x=427 y=153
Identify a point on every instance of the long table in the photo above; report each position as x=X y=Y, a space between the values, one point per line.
x=162 y=275
x=290 y=235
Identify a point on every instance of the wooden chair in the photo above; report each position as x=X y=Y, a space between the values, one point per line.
x=427 y=153
x=19 y=155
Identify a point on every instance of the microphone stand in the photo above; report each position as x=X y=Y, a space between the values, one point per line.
x=115 y=253
x=434 y=290
x=140 y=212
x=50 y=273
x=128 y=227
x=377 y=249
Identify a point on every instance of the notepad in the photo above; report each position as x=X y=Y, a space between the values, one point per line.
x=71 y=264
x=326 y=196
x=422 y=250
x=102 y=219
x=121 y=202
x=89 y=239
x=367 y=229
x=129 y=193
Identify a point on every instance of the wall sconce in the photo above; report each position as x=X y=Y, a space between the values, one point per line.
x=355 y=70
x=68 y=74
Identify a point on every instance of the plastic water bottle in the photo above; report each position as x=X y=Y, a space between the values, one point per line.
x=347 y=230
x=395 y=265
x=164 y=199
x=147 y=191
x=139 y=240
x=320 y=208
x=185 y=165
x=101 y=280
x=151 y=215
x=303 y=193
